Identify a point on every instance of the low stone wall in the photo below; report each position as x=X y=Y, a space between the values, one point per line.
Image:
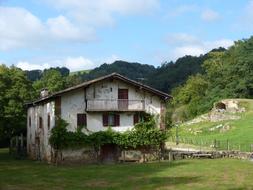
x=82 y=155
x=178 y=155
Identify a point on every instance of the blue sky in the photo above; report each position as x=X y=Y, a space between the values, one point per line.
x=83 y=34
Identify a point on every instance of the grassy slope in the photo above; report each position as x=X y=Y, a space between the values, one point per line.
x=241 y=132
x=81 y=72
x=181 y=175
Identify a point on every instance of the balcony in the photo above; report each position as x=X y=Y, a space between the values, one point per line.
x=115 y=105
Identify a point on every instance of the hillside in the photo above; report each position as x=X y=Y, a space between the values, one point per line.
x=164 y=78
x=236 y=128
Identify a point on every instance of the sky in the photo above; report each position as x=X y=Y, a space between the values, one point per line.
x=83 y=34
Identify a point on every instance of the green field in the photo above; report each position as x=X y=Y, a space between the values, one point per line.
x=185 y=174
x=240 y=136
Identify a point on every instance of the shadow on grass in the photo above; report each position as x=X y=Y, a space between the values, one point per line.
x=116 y=176
x=4 y=154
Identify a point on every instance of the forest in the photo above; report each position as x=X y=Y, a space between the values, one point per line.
x=195 y=82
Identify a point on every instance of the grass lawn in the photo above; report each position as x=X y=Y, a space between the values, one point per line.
x=186 y=174
x=240 y=136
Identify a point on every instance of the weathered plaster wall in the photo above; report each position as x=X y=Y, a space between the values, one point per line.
x=94 y=122
x=108 y=89
x=72 y=103
x=41 y=150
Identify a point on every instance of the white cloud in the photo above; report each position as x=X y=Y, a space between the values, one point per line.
x=72 y=63
x=185 y=44
x=24 y=65
x=210 y=15
x=188 y=50
x=18 y=28
x=100 y=12
x=61 y=28
x=78 y=63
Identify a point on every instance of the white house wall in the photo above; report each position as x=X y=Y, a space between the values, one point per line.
x=72 y=103
x=109 y=90
x=43 y=134
x=94 y=122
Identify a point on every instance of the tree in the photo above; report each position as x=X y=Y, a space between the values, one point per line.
x=52 y=80
x=192 y=94
x=15 y=91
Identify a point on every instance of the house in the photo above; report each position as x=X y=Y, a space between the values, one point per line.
x=112 y=100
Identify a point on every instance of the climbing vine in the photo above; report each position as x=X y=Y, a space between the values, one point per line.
x=143 y=134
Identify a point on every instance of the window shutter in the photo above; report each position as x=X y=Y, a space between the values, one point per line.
x=105 y=120
x=85 y=119
x=40 y=122
x=30 y=122
x=48 y=121
x=136 y=118
x=81 y=119
x=117 y=120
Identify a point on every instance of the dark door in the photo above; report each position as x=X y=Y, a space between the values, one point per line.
x=109 y=153
x=123 y=99
x=37 y=148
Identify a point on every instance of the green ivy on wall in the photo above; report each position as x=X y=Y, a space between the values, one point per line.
x=144 y=134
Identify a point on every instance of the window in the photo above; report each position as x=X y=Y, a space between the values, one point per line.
x=111 y=120
x=29 y=121
x=48 y=121
x=136 y=118
x=40 y=122
x=81 y=119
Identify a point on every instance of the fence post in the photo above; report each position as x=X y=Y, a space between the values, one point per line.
x=227 y=145
x=22 y=141
x=11 y=145
x=16 y=141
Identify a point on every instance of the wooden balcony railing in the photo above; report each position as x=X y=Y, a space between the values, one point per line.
x=115 y=105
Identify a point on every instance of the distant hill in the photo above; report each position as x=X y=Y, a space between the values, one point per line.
x=135 y=71
x=164 y=78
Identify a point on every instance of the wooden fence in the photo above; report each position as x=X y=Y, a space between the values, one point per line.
x=18 y=146
x=214 y=144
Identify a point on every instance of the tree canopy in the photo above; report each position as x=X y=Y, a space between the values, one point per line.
x=15 y=91
x=226 y=74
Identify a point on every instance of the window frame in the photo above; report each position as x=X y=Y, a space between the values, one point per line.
x=115 y=119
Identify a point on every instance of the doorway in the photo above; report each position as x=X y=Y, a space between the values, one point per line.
x=123 y=99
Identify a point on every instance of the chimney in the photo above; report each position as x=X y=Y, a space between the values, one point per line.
x=44 y=92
